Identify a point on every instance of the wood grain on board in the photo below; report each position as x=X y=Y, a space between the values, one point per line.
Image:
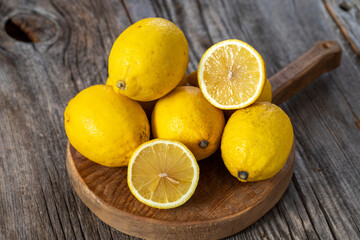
x=37 y=79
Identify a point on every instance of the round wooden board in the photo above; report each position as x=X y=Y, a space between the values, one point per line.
x=221 y=205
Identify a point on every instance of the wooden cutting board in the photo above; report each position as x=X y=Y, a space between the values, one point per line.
x=221 y=205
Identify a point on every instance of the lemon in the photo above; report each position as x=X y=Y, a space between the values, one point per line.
x=266 y=93
x=183 y=81
x=231 y=74
x=148 y=59
x=192 y=79
x=105 y=126
x=163 y=173
x=256 y=142
x=186 y=116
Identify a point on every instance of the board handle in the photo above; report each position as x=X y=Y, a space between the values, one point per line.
x=323 y=57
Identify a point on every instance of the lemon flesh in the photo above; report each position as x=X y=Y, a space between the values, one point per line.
x=256 y=142
x=105 y=126
x=163 y=174
x=148 y=59
x=231 y=74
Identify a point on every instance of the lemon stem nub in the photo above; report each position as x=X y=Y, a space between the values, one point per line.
x=121 y=84
x=243 y=175
x=203 y=144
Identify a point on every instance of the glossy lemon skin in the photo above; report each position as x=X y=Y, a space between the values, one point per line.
x=149 y=106
x=105 y=126
x=266 y=93
x=192 y=79
x=257 y=140
x=186 y=116
x=150 y=57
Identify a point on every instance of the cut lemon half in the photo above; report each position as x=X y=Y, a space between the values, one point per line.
x=231 y=74
x=163 y=173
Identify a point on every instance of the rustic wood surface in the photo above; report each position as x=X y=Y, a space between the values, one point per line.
x=323 y=57
x=346 y=15
x=62 y=47
x=220 y=207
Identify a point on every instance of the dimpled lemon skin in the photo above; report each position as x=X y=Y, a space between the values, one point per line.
x=256 y=142
x=149 y=59
x=266 y=93
x=105 y=126
x=186 y=116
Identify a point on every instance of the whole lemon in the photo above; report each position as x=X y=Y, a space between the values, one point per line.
x=186 y=116
x=192 y=79
x=266 y=94
x=104 y=126
x=256 y=142
x=148 y=59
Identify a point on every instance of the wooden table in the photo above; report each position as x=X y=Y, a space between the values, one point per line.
x=52 y=49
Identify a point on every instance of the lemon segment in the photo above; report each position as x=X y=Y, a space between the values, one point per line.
x=231 y=74
x=163 y=173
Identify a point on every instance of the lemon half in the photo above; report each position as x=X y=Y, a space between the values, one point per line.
x=231 y=74
x=163 y=173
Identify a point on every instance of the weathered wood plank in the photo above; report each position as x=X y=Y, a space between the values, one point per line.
x=38 y=79
x=346 y=15
x=279 y=40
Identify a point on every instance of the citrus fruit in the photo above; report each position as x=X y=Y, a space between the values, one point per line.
x=256 y=142
x=266 y=93
x=104 y=126
x=163 y=173
x=148 y=59
x=183 y=81
x=186 y=116
x=192 y=79
x=231 y=74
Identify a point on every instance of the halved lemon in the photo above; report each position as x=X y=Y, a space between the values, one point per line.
x=163 y=173
x=231 y=74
